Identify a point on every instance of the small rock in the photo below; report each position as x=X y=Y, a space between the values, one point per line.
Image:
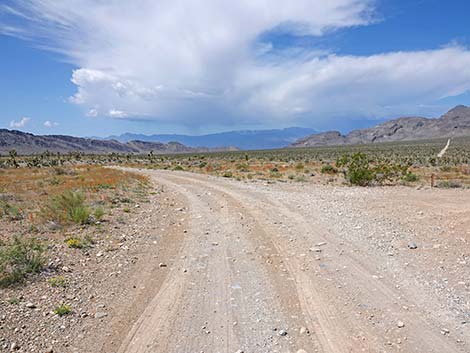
x=99 y=254
x=303 y=330
x=282 y=333
x=14 y=346
x=161 y=264
x=412 y=246
x=400 y=324
x=445 y=331
x=30 y=306
x=100 y=314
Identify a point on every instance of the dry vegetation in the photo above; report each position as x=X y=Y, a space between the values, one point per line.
x=410 y=163
x=42 y=206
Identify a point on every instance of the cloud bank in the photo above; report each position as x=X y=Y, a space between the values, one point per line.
x=191 y=62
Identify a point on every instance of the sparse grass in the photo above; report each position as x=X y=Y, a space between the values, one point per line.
x=67 y=207
x=9 y=211
x=18 y=258
x=63 y=309
x=98 y=213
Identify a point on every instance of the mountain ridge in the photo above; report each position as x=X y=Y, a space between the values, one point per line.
x=25 y=143
x=454 y=123
x=243 y=139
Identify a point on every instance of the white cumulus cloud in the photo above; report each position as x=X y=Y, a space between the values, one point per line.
x=193 y=62
x=19 y=124
x=50 y=124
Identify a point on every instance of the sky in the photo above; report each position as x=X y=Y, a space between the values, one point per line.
x=96 y=68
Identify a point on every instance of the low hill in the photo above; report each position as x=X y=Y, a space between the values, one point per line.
x=455 y=123
x=25 y=143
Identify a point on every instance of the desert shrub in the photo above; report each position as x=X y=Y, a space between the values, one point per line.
x=62 y=310
x=79 y=243
x=328 y=169
x=10 y=211
x=14 y=301
x=359 y=171
x=68 y=207
x=449 y=184
x=178 y=167
x=74 y=243
x=410 y=177
x=227 y=174
x=57 y=281
x=18 y=258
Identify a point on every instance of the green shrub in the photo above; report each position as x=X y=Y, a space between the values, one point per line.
x=68 y=207
x=328 y=169
x=18 y=258
x=359 y=171
x=178 y=167
x=410 y=177
x=227 y=174
x=62 y=310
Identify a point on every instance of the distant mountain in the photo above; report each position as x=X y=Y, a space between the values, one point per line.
x=26 y=143
x=246 y=140
x=455 y=123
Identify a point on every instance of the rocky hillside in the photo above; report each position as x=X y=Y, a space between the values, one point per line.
x=26 y=143
x=454 y=123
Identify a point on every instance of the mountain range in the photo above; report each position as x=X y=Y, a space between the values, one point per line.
x=455 y=123
x=25 y=143
x=245 y=139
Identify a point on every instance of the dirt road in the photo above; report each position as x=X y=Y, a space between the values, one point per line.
x=304 y=268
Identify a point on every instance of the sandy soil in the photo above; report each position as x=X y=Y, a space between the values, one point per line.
x=257 y=267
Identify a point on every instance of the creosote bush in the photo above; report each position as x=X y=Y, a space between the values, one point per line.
x=19 y=257
x=359 y=170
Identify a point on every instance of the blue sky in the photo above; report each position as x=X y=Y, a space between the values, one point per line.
x=151 y=69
